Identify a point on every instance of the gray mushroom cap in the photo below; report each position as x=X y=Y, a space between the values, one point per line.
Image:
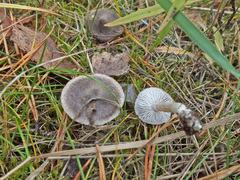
x=145 y=102
x=98 y=30
x=89 y=102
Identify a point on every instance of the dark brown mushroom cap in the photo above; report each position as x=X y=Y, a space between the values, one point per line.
x=98 y=30
x=89 y=102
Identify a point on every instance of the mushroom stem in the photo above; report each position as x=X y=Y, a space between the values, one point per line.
x=172 y=107
x=189 y=120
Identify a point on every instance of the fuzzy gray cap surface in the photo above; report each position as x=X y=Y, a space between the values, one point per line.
x=88 y=102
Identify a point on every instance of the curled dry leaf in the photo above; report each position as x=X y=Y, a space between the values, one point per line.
x=24 y=38
x=110 y=64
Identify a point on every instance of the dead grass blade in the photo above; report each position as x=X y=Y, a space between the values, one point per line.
x=38 y=170
x=152 y=138
x=53 y=60
x=146 y=162
x=218 y=112
x=26 y=57
x=16 y=168
x=84 y=167
x=138 y=144
x=222 y=174
x=17 y=6
x=102 y=173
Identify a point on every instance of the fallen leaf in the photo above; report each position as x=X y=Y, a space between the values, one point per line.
x=110 y=64
x=24 y=38
x=165 y=49
x=5 y=21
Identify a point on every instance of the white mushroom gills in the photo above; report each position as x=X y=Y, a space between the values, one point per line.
x=154 y=106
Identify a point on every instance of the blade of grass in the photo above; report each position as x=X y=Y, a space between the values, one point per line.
x=199 y=38
x=102 y=174
x=218 y=39
x=156 y=164
x=18 y=6
x=5 y=140
x=84 y=167
x=34 y=67
x=16 y=168
x=138 y=144
x=206 y=156
x=141 y=14
x=175 y=8
x=161 y=35
x=53 y=101
x=230 y=128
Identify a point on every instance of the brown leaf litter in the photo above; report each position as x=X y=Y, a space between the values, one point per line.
x=110 y=64
x=24 y=37
x=5 y=21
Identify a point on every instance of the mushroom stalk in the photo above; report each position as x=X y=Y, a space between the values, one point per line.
x=187 y=116
x=172 y=107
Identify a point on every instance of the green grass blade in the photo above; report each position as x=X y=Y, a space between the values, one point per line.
x=199 y=38
x=205 y=156
x=13 y=146
x=218 y=39
x=139 y=14
x=161 y=35
x=175 y=8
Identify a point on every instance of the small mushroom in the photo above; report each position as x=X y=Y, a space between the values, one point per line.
x=154 y=106
x=87 y=101
x=98 y=30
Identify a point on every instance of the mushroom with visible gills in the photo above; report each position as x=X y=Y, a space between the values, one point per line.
x=96 y=24
x=154 y=106
x=87 y=101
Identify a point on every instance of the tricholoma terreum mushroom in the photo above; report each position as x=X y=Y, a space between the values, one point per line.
x=154 y=106
x=87 y=101
x=98 y=30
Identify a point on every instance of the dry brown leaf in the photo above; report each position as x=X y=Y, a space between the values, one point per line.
x=24 y=38
x=5 y=21
x=165 y=49
x=110 y=64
